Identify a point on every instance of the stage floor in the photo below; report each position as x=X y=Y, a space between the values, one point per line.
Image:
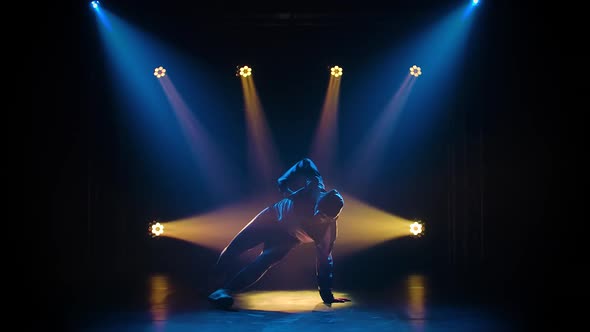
x=160 y=302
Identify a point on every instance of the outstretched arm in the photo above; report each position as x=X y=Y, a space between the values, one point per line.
x=304 y=168
x=325 y=265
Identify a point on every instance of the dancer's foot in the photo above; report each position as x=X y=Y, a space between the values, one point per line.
x=221 y=298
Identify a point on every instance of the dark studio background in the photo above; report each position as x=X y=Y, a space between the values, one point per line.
x=490 y=159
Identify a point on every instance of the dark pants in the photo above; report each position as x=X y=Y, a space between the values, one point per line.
x=264 y=228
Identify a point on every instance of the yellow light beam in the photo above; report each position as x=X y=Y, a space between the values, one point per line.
x=359 y=226
x=325 y=140
x=263 y=154
x=215 y=229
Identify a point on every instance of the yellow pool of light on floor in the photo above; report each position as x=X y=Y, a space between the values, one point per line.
x=288 y=301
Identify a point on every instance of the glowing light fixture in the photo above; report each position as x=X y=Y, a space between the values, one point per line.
x=95 y=4
x=160 y=72
x=156 y=229
x=475 y=2
x=417 y=228
x=415 y=71
x=336 y=71
x=245 y=71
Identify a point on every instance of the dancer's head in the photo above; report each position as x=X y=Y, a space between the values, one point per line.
x=329 y=205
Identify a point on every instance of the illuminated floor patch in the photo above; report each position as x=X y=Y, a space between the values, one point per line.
x=287 y=301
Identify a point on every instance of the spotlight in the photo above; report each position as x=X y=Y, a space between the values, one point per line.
x=474 y=2
x=417 y=228
x=245 y=71
x=155 y=229
x=159 y=72
x=95 y=4
x=415 y=71
x=336 y=71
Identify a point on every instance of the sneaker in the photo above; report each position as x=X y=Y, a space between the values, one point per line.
x=221 y=298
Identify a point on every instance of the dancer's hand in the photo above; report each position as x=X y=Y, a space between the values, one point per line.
x=338 y=300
